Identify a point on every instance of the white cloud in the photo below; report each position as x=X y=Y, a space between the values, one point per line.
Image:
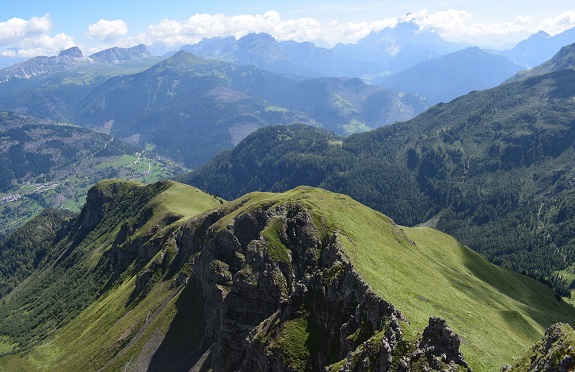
x=30 y=38
x=105 y=30
x=458 y=24
x=201 y=26
x=562 y=22
x=8 y=53
x=16 y=29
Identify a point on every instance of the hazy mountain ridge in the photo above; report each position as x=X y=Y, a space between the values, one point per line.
x=539 y=47
x=398 y=48
x=70 y=58
x=563 y=60
x=287 y=57
x=444 y=78
x=167 y=280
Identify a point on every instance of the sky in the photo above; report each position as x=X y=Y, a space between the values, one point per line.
x=37 y=27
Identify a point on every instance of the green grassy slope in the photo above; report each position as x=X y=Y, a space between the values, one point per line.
x=88 y=310
x=498 y=314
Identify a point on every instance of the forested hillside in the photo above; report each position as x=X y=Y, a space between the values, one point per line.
x=44 y=164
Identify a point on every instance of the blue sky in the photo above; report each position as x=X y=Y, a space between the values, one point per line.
x=35 y=27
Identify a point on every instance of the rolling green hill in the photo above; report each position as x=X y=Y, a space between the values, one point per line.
x=493 y=168
x=163 y=277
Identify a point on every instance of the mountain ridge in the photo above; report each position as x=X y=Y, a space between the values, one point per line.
x=258 y=282
x=70 y=58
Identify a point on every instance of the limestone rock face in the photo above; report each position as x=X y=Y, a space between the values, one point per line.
x=73 y=52
x=438 y=349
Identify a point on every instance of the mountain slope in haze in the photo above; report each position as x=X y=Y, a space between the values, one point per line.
x=301 y=280
x=398 y=48
x=493 y=168
x=32 y=147
x=287 y=57
x=563 y=60
x=49 y=165
x=445 y=78
x=539 y=47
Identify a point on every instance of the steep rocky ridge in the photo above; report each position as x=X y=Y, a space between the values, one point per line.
x=555 y=352
x=303 y=280
x=118 y=55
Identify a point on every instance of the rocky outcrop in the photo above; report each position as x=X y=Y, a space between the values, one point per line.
x=73 y=52
x=555 y=352
x=43 y=65
x=438 y=349
x=279 y=294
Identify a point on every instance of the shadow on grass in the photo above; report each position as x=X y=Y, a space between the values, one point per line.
x=184 y=344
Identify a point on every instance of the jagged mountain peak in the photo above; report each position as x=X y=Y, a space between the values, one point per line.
x=539 y=47
x=73 y=52
x=70 y=58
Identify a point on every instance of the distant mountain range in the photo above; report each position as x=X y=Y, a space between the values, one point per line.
x=193 y=108
x=402 y=58
x=288 y=57
x=398 y=48
x=538 y=48
x=70 y=58
x=215 y=104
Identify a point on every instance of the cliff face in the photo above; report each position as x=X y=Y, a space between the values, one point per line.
x=281 y=295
